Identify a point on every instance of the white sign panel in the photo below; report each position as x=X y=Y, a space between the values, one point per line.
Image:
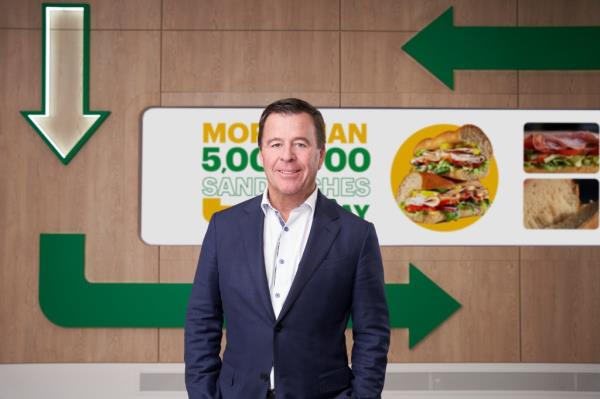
x=420 y=175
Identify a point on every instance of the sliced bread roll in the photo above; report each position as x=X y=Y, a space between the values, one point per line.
x=421 y=181
x=418 y=188
x=467 y=134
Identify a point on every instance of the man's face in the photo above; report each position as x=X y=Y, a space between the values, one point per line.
x=290 y=156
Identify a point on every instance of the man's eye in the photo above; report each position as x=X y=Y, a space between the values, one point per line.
x=275 y=145
x=301 y=145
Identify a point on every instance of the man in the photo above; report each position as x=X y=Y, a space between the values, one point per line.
x=286 y=270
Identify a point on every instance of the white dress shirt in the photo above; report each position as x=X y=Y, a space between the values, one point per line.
x=283 y=246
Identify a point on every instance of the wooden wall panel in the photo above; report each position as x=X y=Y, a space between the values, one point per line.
x=246 y=99
x=559 y=12
x=106 y=14
x=114 y=157
x=559 y=89
x=560 y=317
x=394 y=254
x=560 y=291
x=376 y=73
x=414 y=15
x=177 y=265
x=97 y=194
x=485 y=329
x=228 y=61
x=565 y=254
x=228 y=53
x=251 y=15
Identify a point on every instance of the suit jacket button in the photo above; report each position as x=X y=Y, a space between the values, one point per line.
x=278 y=328
x=265 y=377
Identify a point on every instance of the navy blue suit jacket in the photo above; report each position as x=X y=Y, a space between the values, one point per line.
x=340 y=275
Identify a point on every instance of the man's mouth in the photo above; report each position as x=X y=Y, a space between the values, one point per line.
x=288 y=172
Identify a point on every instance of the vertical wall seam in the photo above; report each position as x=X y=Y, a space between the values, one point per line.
x=160 y=52
x=518 y=72
x=160 y=91
x=340 y=53
x=519 y=264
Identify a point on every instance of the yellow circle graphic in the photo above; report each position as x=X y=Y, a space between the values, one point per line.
x=401 y=167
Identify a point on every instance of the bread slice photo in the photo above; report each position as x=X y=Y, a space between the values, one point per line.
x=556 y=204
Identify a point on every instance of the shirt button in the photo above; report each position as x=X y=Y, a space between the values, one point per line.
x=277 y=295
x=286 y=228
x=281 y=261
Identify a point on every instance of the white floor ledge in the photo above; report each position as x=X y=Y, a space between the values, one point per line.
x=420 y=381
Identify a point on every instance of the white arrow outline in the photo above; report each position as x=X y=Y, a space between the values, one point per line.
x=65 y=122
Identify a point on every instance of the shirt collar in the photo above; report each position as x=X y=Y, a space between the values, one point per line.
x=311 y=201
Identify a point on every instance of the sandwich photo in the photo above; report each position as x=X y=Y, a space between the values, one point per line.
x=429 y=198
x=461 y=154
x=561 y=148
x=560 y=204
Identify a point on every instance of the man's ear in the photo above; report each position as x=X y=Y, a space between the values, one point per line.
x=260 y=157
x=321 y=156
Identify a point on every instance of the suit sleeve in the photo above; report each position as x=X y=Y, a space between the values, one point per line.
x=370 y=321
x=204 y=324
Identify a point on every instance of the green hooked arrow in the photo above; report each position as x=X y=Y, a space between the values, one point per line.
x=65 y=121
x=442 y=48
x=69 y=300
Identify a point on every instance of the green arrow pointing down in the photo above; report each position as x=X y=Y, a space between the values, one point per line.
x=65 y=122
x=69 y=300
x=442 y=47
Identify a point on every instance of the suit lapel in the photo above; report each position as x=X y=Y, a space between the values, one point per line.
x=251 y=226
x=323 y=231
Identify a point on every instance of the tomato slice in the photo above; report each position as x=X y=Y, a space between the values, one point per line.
x=418 y=208
x=569 y=151
x=448 y=201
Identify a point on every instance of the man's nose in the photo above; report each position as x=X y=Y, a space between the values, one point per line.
x=287 y=154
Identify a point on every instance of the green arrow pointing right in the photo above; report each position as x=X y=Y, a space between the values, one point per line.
x=442 y=48
x=421 y=306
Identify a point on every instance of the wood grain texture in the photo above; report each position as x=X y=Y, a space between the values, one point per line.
x=246 y=99
x=374 y=72
x=231 y=53
x=559 y=89
x=414 y=15
x=105 y=14
x=113 y=165
x=553 y=254
x=559 y=13
x=250 y=62
x=560 y=317
x=450 y=253
x=485 y=329
x=251 y=15
x=97 y=194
